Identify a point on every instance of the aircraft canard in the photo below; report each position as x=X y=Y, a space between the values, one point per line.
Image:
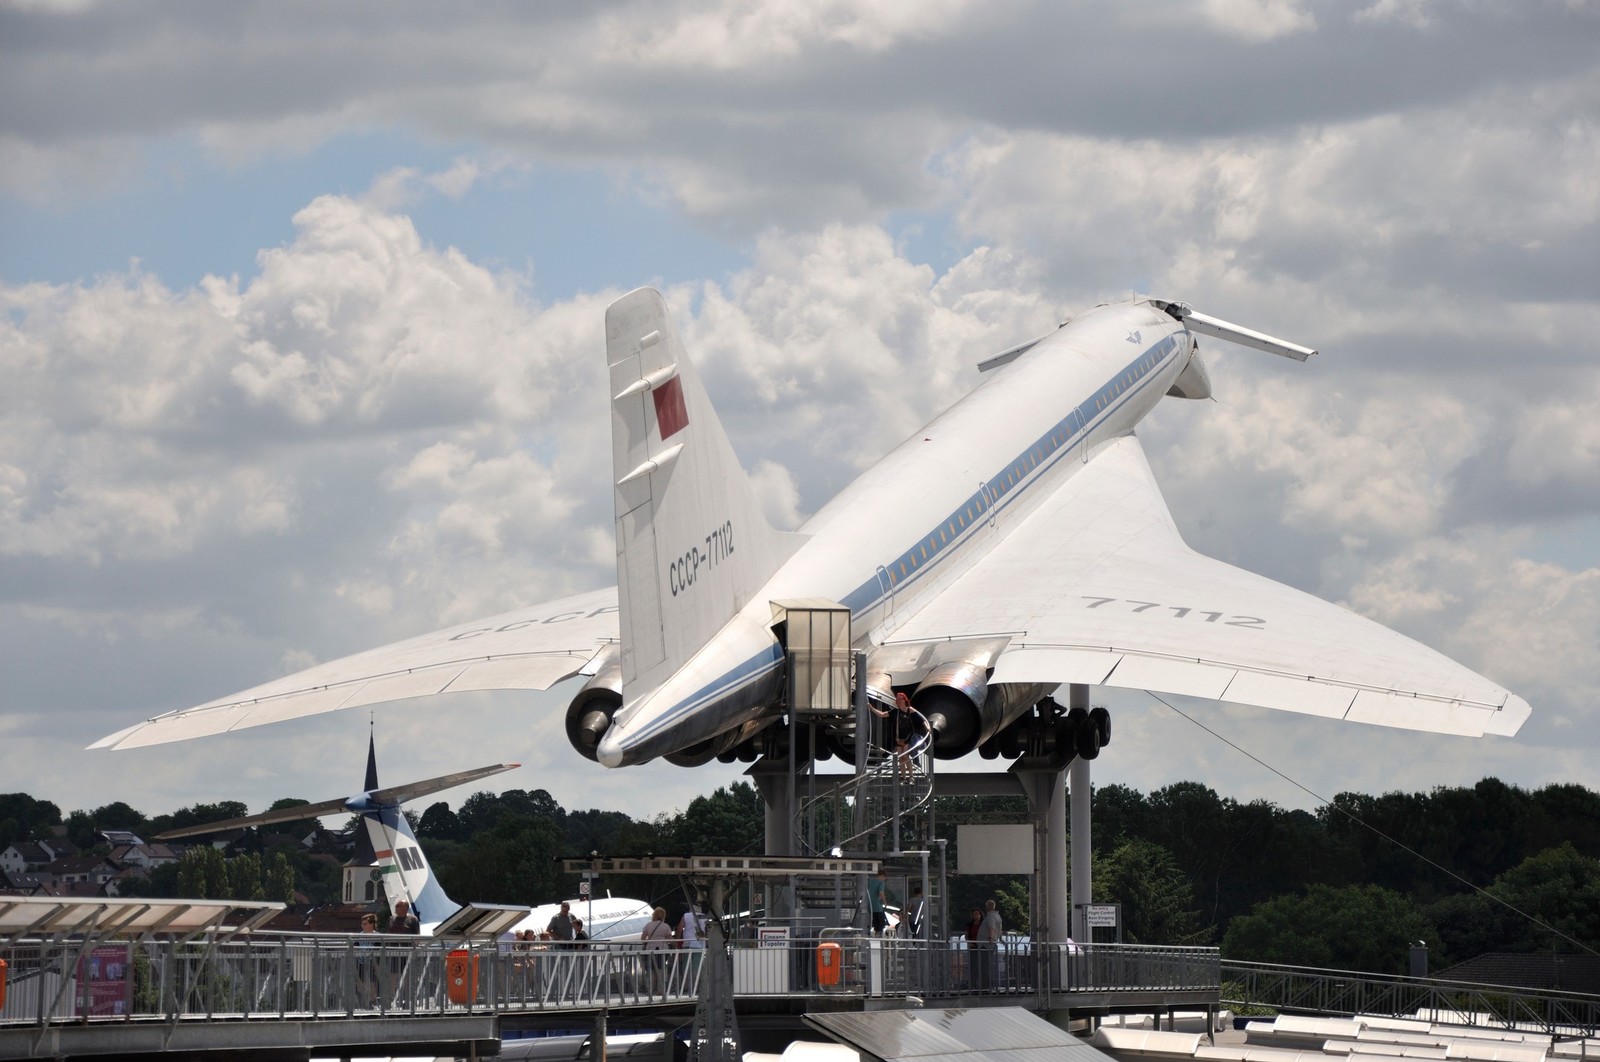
x=1015 y=543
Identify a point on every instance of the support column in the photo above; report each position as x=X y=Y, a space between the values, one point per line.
x=1058 y=911
x=1047 y=807
x=779 y=819
x=1082 y=886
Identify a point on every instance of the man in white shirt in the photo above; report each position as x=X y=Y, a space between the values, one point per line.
x=689 y=929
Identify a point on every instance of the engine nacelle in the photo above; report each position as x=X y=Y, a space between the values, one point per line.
x=589 y=715
x=964 y=711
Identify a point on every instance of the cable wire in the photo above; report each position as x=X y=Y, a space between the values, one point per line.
x=1325 y=802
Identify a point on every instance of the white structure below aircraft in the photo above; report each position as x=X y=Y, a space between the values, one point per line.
x=1016 y=543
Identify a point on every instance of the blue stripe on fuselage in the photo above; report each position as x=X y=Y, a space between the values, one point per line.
x=747 y=672
x=1005 y=486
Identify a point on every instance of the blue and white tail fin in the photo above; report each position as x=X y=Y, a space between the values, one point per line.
x=406 y=873
x=693 y=546
x=396 y=857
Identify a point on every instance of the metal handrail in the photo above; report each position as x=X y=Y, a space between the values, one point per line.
x=277 y=977
x=1299 y=988
x=883 y=768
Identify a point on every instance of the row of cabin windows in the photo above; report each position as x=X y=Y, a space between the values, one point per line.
x=1013 y=474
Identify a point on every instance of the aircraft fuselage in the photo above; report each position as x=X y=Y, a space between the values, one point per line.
x=922 y=516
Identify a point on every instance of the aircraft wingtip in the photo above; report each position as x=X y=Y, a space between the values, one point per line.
x=112 y=741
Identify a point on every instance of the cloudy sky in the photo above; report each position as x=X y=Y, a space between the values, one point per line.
x=302 y=335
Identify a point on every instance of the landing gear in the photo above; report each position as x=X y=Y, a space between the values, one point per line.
x=1051 y=736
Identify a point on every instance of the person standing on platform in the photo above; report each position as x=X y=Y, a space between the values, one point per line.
x=877 y=888
x=989 y=934
x=657 y=936
x=560 y=927
x=404 y=921
x=689 y=928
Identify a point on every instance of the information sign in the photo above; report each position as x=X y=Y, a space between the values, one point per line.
x=1101 y=915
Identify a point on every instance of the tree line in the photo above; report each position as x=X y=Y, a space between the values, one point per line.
x=1349 y=886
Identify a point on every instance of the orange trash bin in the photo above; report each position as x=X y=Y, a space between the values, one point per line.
x=2 y=984
x=461 y=976
x=830 y=958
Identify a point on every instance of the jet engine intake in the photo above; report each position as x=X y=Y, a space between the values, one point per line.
x=589 y=715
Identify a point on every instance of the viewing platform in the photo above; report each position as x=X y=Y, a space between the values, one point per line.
x=94 y=994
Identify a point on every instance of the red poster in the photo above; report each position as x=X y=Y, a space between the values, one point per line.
x=103 y=981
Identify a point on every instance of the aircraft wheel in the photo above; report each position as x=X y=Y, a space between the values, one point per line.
x=989 y=749
x=1102 y=724
x=1087 y=740
x=1066 y=743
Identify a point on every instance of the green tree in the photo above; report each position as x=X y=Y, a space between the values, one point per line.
x=280 y=879
x=1016 y=915
x=1157 y=900
x=203 y=874
x=1565 y=813
x=731 y=821
x=244 y=877
x=515 y=862
x=481 y=812
x=1561 y=888
x=1119 y=813
x=22 y=818
x=1356 y=927
x=439 y=823
x=197 y=815
x=297 y=828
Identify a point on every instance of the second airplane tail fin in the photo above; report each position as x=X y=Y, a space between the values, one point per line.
x=692 y=543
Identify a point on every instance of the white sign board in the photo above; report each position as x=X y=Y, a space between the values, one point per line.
x=772 y=937
x=583 y=890
x=991 y=849
x=1101 y=914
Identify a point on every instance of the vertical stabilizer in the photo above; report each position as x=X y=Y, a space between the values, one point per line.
x=406 y=872
x=692 y=543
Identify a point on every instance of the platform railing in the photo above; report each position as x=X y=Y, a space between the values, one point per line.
x=1344 y=992
x=268 y=976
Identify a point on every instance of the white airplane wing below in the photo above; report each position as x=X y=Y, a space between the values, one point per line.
x=529 y=649
x=1097 y=587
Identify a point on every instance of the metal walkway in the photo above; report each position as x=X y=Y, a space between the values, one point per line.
x=289 y=993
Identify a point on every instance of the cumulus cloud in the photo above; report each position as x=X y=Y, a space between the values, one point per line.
x=374 y=432
x=740 y=33
x=1259 y=20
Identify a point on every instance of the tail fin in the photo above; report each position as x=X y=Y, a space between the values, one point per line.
x=692 y=543
x=405 y=870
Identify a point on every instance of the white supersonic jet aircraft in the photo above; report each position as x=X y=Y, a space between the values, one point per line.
x=1016 y=543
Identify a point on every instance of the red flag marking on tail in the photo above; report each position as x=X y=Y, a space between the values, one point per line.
x=671 y=416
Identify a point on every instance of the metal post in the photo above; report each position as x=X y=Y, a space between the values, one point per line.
x=1082 y=886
